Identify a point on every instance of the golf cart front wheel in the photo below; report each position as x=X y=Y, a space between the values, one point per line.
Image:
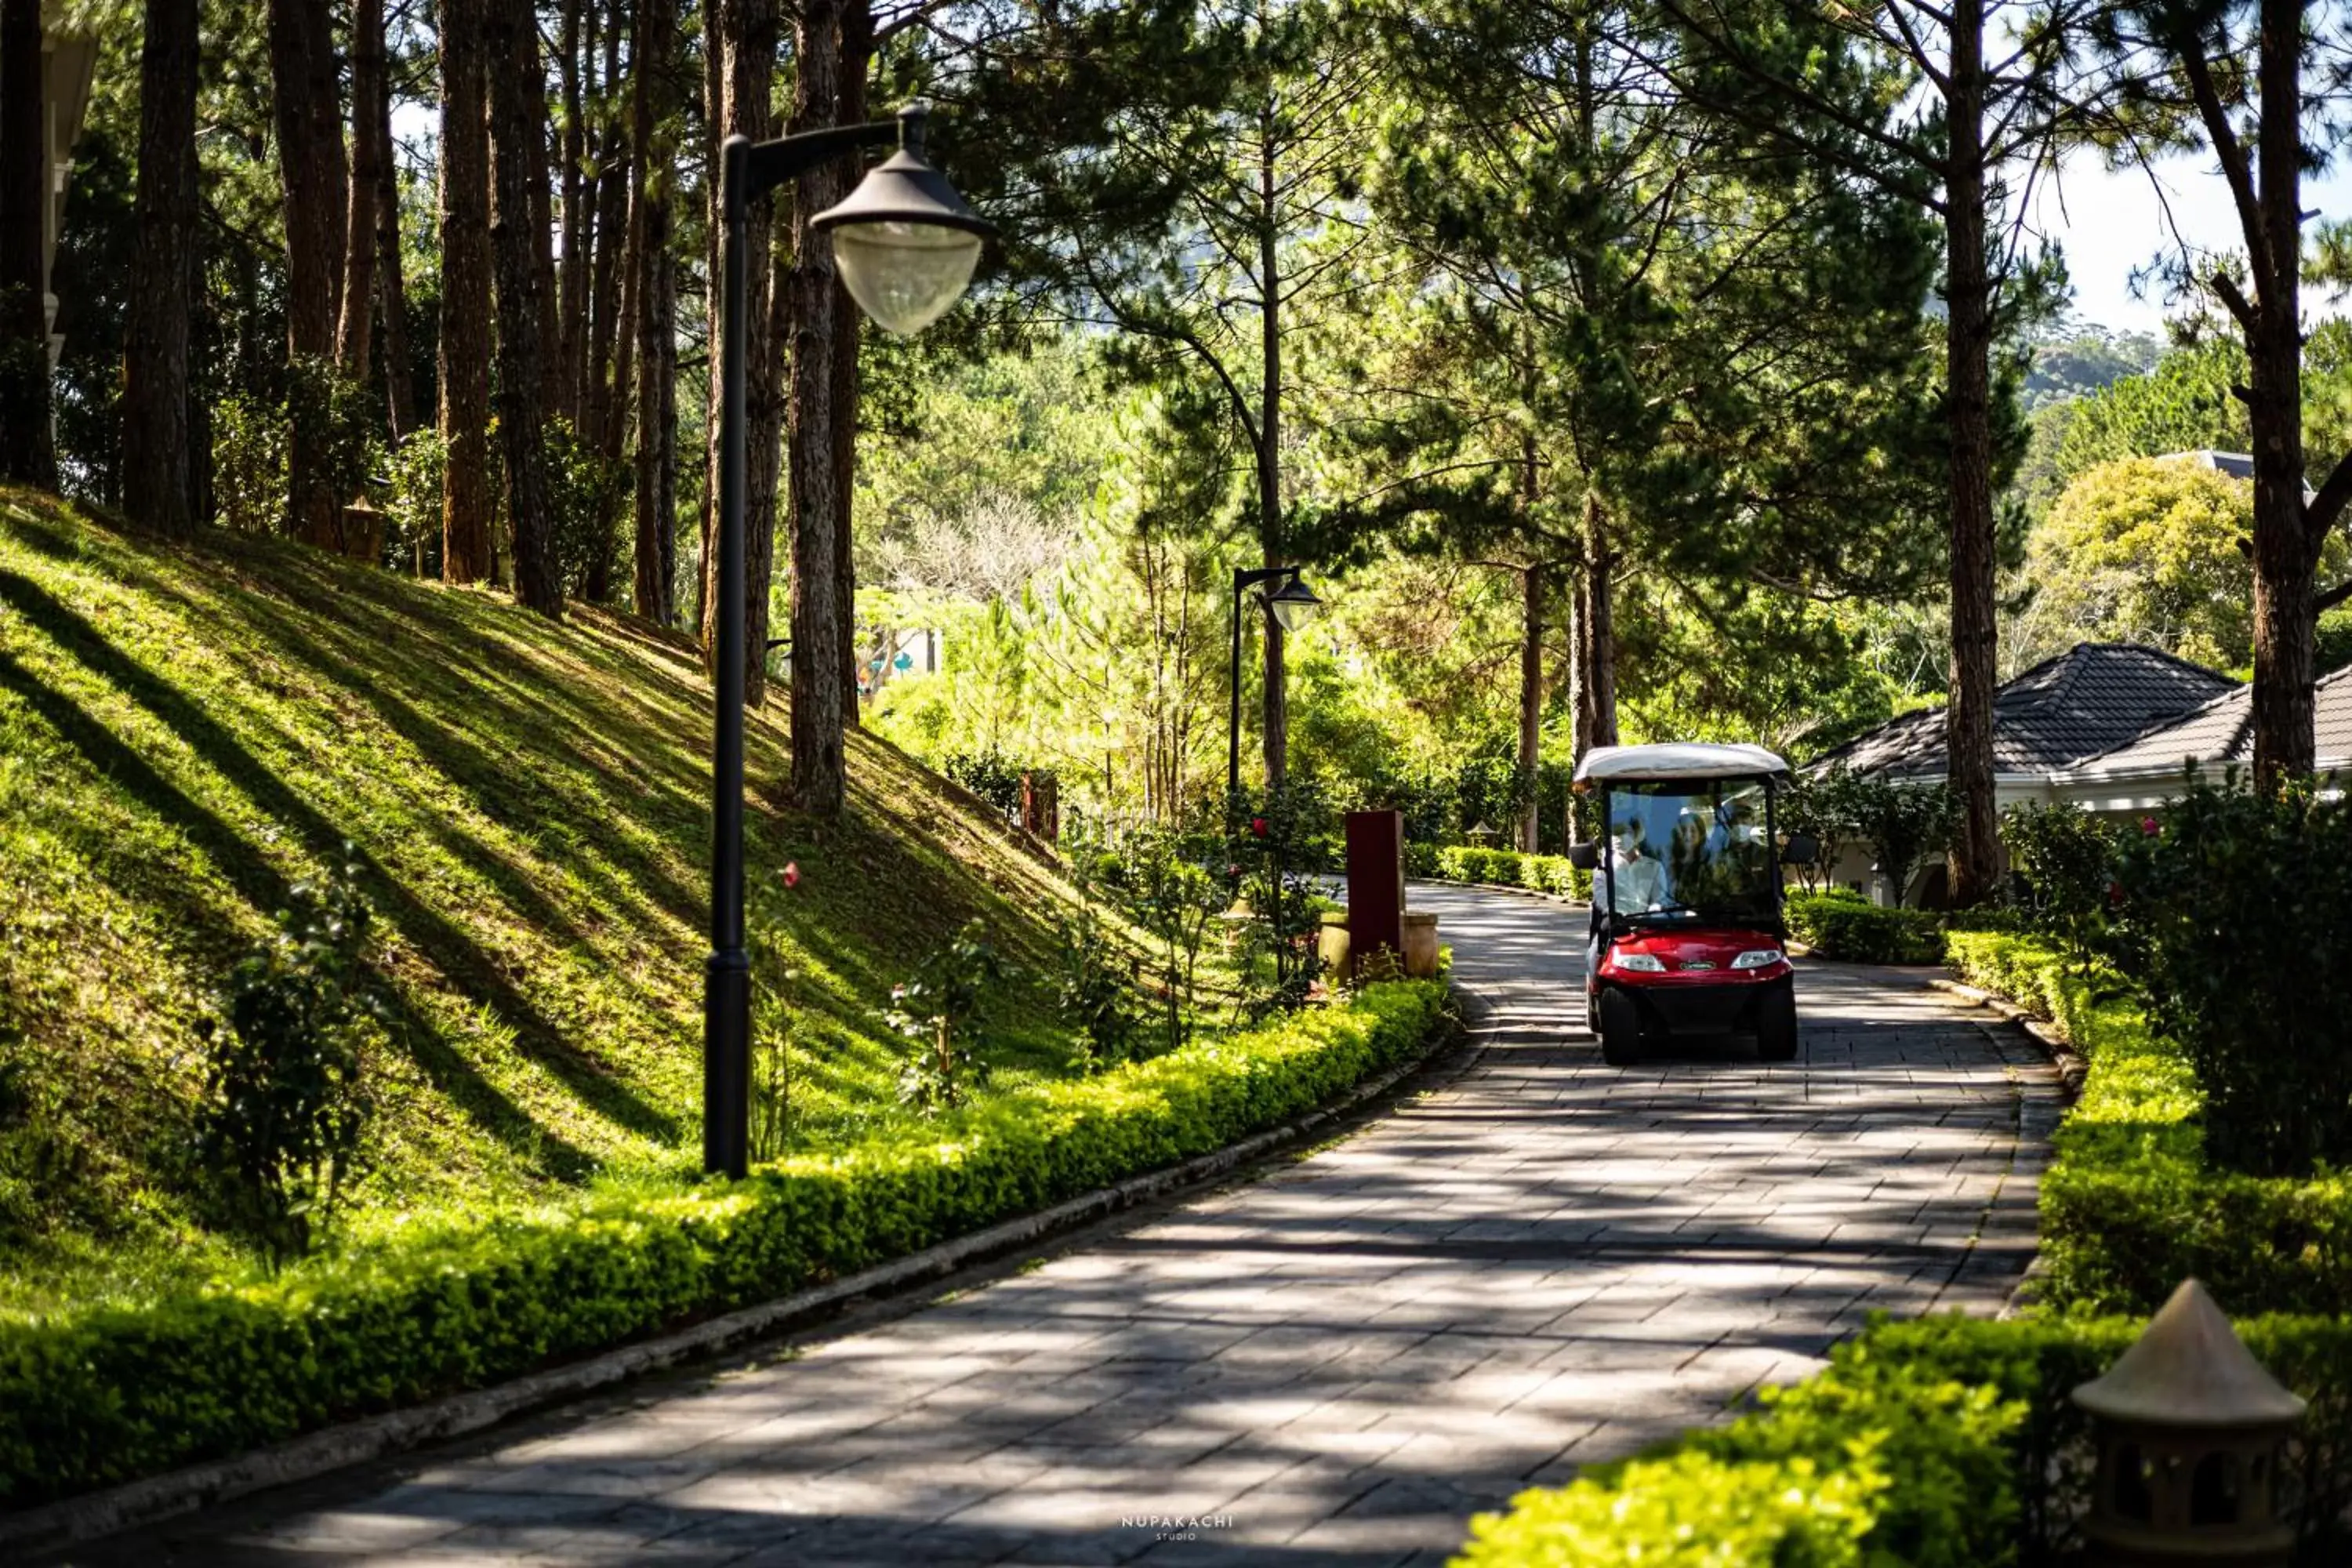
x=1776 y=1024
x=1621 y=1030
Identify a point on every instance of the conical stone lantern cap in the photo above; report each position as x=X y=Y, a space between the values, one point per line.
x=2189 y=1370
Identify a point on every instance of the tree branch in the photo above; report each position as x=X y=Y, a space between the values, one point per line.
x=2231 y=154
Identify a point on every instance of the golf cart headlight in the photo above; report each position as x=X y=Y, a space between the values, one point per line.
x=1643 y=963
x=1757 y=958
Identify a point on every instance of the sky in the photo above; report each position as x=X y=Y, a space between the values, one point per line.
x=2110 y=223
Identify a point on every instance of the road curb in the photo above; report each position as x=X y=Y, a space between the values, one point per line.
x=157 y=1498
x=2071 y=1065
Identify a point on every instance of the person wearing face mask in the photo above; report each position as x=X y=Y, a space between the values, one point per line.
x=1634 y=881
x=1638 y=878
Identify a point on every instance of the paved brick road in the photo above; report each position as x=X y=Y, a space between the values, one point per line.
x=1543 y=1263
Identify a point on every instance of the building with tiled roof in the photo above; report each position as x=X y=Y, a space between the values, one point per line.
x=2089 y=700
x=2049 y=721
x=2212 y=739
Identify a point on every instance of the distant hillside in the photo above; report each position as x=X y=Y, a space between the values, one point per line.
x=185 y=733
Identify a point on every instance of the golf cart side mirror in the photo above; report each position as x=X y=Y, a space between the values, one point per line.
x=1802 y=849
x=1584 y=856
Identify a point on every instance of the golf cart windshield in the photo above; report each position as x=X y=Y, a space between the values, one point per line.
x=1690 y=850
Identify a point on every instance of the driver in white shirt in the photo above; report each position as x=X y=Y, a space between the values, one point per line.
x=1638 y=881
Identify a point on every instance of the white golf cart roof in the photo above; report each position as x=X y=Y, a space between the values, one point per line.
x=1692 y=759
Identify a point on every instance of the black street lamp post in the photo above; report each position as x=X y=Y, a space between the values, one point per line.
x=1292 y=604
x=906 y=245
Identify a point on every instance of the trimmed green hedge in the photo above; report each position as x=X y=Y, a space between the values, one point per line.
x=2130 y=1206
x=92 y=1398
x=1840 y=926
x=1943 y=1443
x=1510 y=869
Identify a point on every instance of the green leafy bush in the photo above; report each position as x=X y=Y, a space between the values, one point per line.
x=2064 y=861
x=1902 y=822
x=1947 y=1442
x=1091 y=989
x=1282 y=839
x=1842 y=926
x=1688 y=1511
x=91 y=1397
x=991 y=775
x=1865 y=1463
x=1422 y=860
x=279 y=1128
x=939 y=1009
x=2131 y=1207
x=411 y=504
x=1510 y=869
x=2232 y=915
x=1175 y=901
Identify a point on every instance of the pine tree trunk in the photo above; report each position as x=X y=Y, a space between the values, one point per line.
x=391 y=288
x=570 y=342
x=518 y=178
x=2287 y=555
x=465 y=349
x=353 y=332
x=743 y=66
x=1597 y=630
x=820 y=695
x=545 y=145
x=1580 y=723
x=159 y=478
x=856 y=63
x=1276 y=725
x=607 y=277
x=657 y=351
x=311 y=166
x=1531 y=636
x=27 y=444
x=1975 y=866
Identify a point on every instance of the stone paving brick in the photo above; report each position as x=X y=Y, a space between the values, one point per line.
x=1544 y=1264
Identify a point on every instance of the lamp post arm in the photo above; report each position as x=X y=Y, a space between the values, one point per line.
x=750 y=170
x=761 y=166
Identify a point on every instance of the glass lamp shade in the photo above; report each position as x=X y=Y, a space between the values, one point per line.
x=905 y=274
x=1294 y=604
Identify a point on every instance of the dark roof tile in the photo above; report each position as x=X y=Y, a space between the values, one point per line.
x=2091 y=698
x=2223 y=731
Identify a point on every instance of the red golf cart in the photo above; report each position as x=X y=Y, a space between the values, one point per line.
x=1686 y=930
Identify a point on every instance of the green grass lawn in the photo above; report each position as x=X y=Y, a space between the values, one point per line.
x=185 y=732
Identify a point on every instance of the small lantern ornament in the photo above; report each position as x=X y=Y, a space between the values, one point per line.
x=2188 y=1425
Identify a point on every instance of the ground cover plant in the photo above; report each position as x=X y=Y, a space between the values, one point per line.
x=187 y=734
x=107 y=1392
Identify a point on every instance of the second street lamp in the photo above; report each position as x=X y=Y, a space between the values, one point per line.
x=1291 y=604
x=907 y=245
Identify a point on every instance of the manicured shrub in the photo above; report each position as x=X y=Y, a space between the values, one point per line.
x=2131 y=1206
x=1842 y=926
x=2232 y=916
x=1865 y=1463
x=1946 y=1442
x=1688 y=1511
x=1422 y=860
x=92 y=1397
x=1510 y=869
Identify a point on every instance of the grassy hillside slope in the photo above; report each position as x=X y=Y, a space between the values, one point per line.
x=185 y=733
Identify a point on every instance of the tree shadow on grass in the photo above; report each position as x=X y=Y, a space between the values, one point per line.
x=459 y=752
x=264 y=888
x=449 y=947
